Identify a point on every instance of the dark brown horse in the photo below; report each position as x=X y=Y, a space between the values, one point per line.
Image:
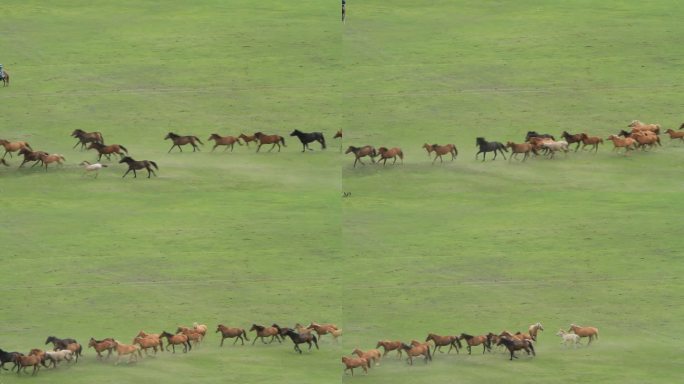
x=107 y=150
x=269 y=139
x=86 y=137
x=472 y=341
x=134 y=165
x=514 y=344
x=228 y=141
x=228 y=332
x=30 y=155
x=5 y=78
x=572 y=139
x=183 y=140
x=248 y=139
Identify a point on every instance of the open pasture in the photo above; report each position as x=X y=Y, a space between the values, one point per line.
x=243 y=237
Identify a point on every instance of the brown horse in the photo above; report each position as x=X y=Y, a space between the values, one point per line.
x=33 y=359
x=228 y=141
x=269 y=139
x=637 y=125
x=675 y=134
x=5 y=78
x=174 y=340
x=227 y=332
x=590 y=332
x=262 y=332
x=572 y=138
x=192 y=334
x=389 y=346
x=472 y=341
x=372 y=355
x=360 y=152
x=30 y=155
x=390 y=154
x=152 y=335
x=49 y=159
x=13 y=146
x=248 y=139
x=76 y=348
x=102 y=345
x=134 y=165
x=441 y=150
x=515 y=345
x=107 y=150
x=646 y=138
x=524 y=148
x=442 y=341
x=126 y=349
x=146 y=343
x=618 y=142
x=86 y=137
x=354 y=362
x=417 y=349
x=323 y=329
x=594 y=141
x=183 y=140
x=338 y=134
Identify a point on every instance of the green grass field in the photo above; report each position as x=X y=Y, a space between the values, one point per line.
x=241 y=238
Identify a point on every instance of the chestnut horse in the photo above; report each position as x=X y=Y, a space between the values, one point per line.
x=618 y=142
x=152 y=335
x=442 y=341
x=516 y=345
x=126 y=349
x=174 y=340
x=102 y=345
x=13 y=146
x=262 y=332
x=33 y=359
x=338 y=134
x=675 y=134
x=183 y=140
x=323 y=329
x=49 y=159
x=372 y=355
x=389 y=346
x=590 y=332
x=525 y=148
x=228 y=141
x=360 y=152
x=227 y=332
x=417 y=349
x=86 y=137
x=392 y=153
x=355 y=362
x=441 y=150
x=269 y=139
x=146 y=343
x=473 y=341
x=591 y=140
x=247 y=139
x=107 y=150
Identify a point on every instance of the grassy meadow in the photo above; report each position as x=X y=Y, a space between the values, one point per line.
x=241 y=238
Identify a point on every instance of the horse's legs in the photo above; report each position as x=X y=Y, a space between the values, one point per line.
x=172 y=148
x=469 y=351
x=124 y=175
x=135 y=174
x=259 y=147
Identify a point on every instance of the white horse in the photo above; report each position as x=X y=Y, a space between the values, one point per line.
x=92 y=168
x=555 y=146
x=58 y=356
x=568 y=338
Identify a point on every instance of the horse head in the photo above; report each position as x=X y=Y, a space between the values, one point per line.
x=170 y=135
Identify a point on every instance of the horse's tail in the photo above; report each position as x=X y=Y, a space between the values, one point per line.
x=429 y=354
x=244 y=334
x=282 y=140
x=197 y=138
x=597 y=333
x=315 y=340
x=455 y=150
x=154 y=164
x=401 y=155
x=28 y=146
x=124 y=149
x=323 y=141
x=532 y=348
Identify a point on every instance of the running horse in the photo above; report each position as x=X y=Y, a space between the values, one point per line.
x=108 y=150
x=590 y=332
x=443 y=341
x=514 y=344
x=391 y=153
x=489 y=146
x=5 y=78
x=360 y=152
x=13 y=146
x=183 y=140
x=473 y=341
x=269 y=139
x=228 y=141
x=248 y=139
x=307 y=138
x=86 y=137
x=134 y=165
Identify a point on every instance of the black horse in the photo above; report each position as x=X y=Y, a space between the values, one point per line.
x=489 y=146
x=516 y=345
x=307 y=138
x=531 y=134
x=134 y=165
x=299 y=338
x=8 y=357
x=59 y=343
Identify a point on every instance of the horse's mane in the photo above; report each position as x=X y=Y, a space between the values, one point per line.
x=258 y=327
x=171 y=134
x=466 y=336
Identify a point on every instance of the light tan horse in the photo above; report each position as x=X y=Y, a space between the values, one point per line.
x=524 y=148
x=13 y=146
x=392 y=153
x=33 y=359
x=534 y=329
x=76 y=348
x=639 y=126
x=228 y=141
x=417 y=349
x=372 y=355
x=390 y=345
x=152 y=335
x=54 y=158
x=323 y=329
x=126 y=349
x=590 y=332
x=228 y=332
x=354 y=362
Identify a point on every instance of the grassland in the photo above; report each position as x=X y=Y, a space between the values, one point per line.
x=241 y=237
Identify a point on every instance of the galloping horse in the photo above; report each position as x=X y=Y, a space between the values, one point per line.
x=390 y=345
x=594 y=141
x=228 y=141
x=300 y=338
x=524 y=148
x=338 y=134
x=533 y=329
x=7 y=357
x=49 y=159
x=323 y=329
x=441 y=150
x=174 y=340
x=473 y=341
x=307 y=138
x=227 y=332
x=125 y=349
x=372 y=355
x=572 y=139
x=442 y=341
x=487 y=146
x=392 y=153
x=146 y=343
x=30 y=155
x=247 y=139
x=675 y=134
x=134 y=165
x=590 y=332
x=107 y=150
x=59 y=343
x=417 y=349
x=360 y=152
x=355 y=362
x=86 y=137
x=5 y=78
x=269 y=139
x=262 y=332
x=102 y=345
x=13 y=146
x=516 y=345
x=183 y=140
x=33 y=359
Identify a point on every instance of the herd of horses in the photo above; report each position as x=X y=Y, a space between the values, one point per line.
x=69 y=350
x=95 y=141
